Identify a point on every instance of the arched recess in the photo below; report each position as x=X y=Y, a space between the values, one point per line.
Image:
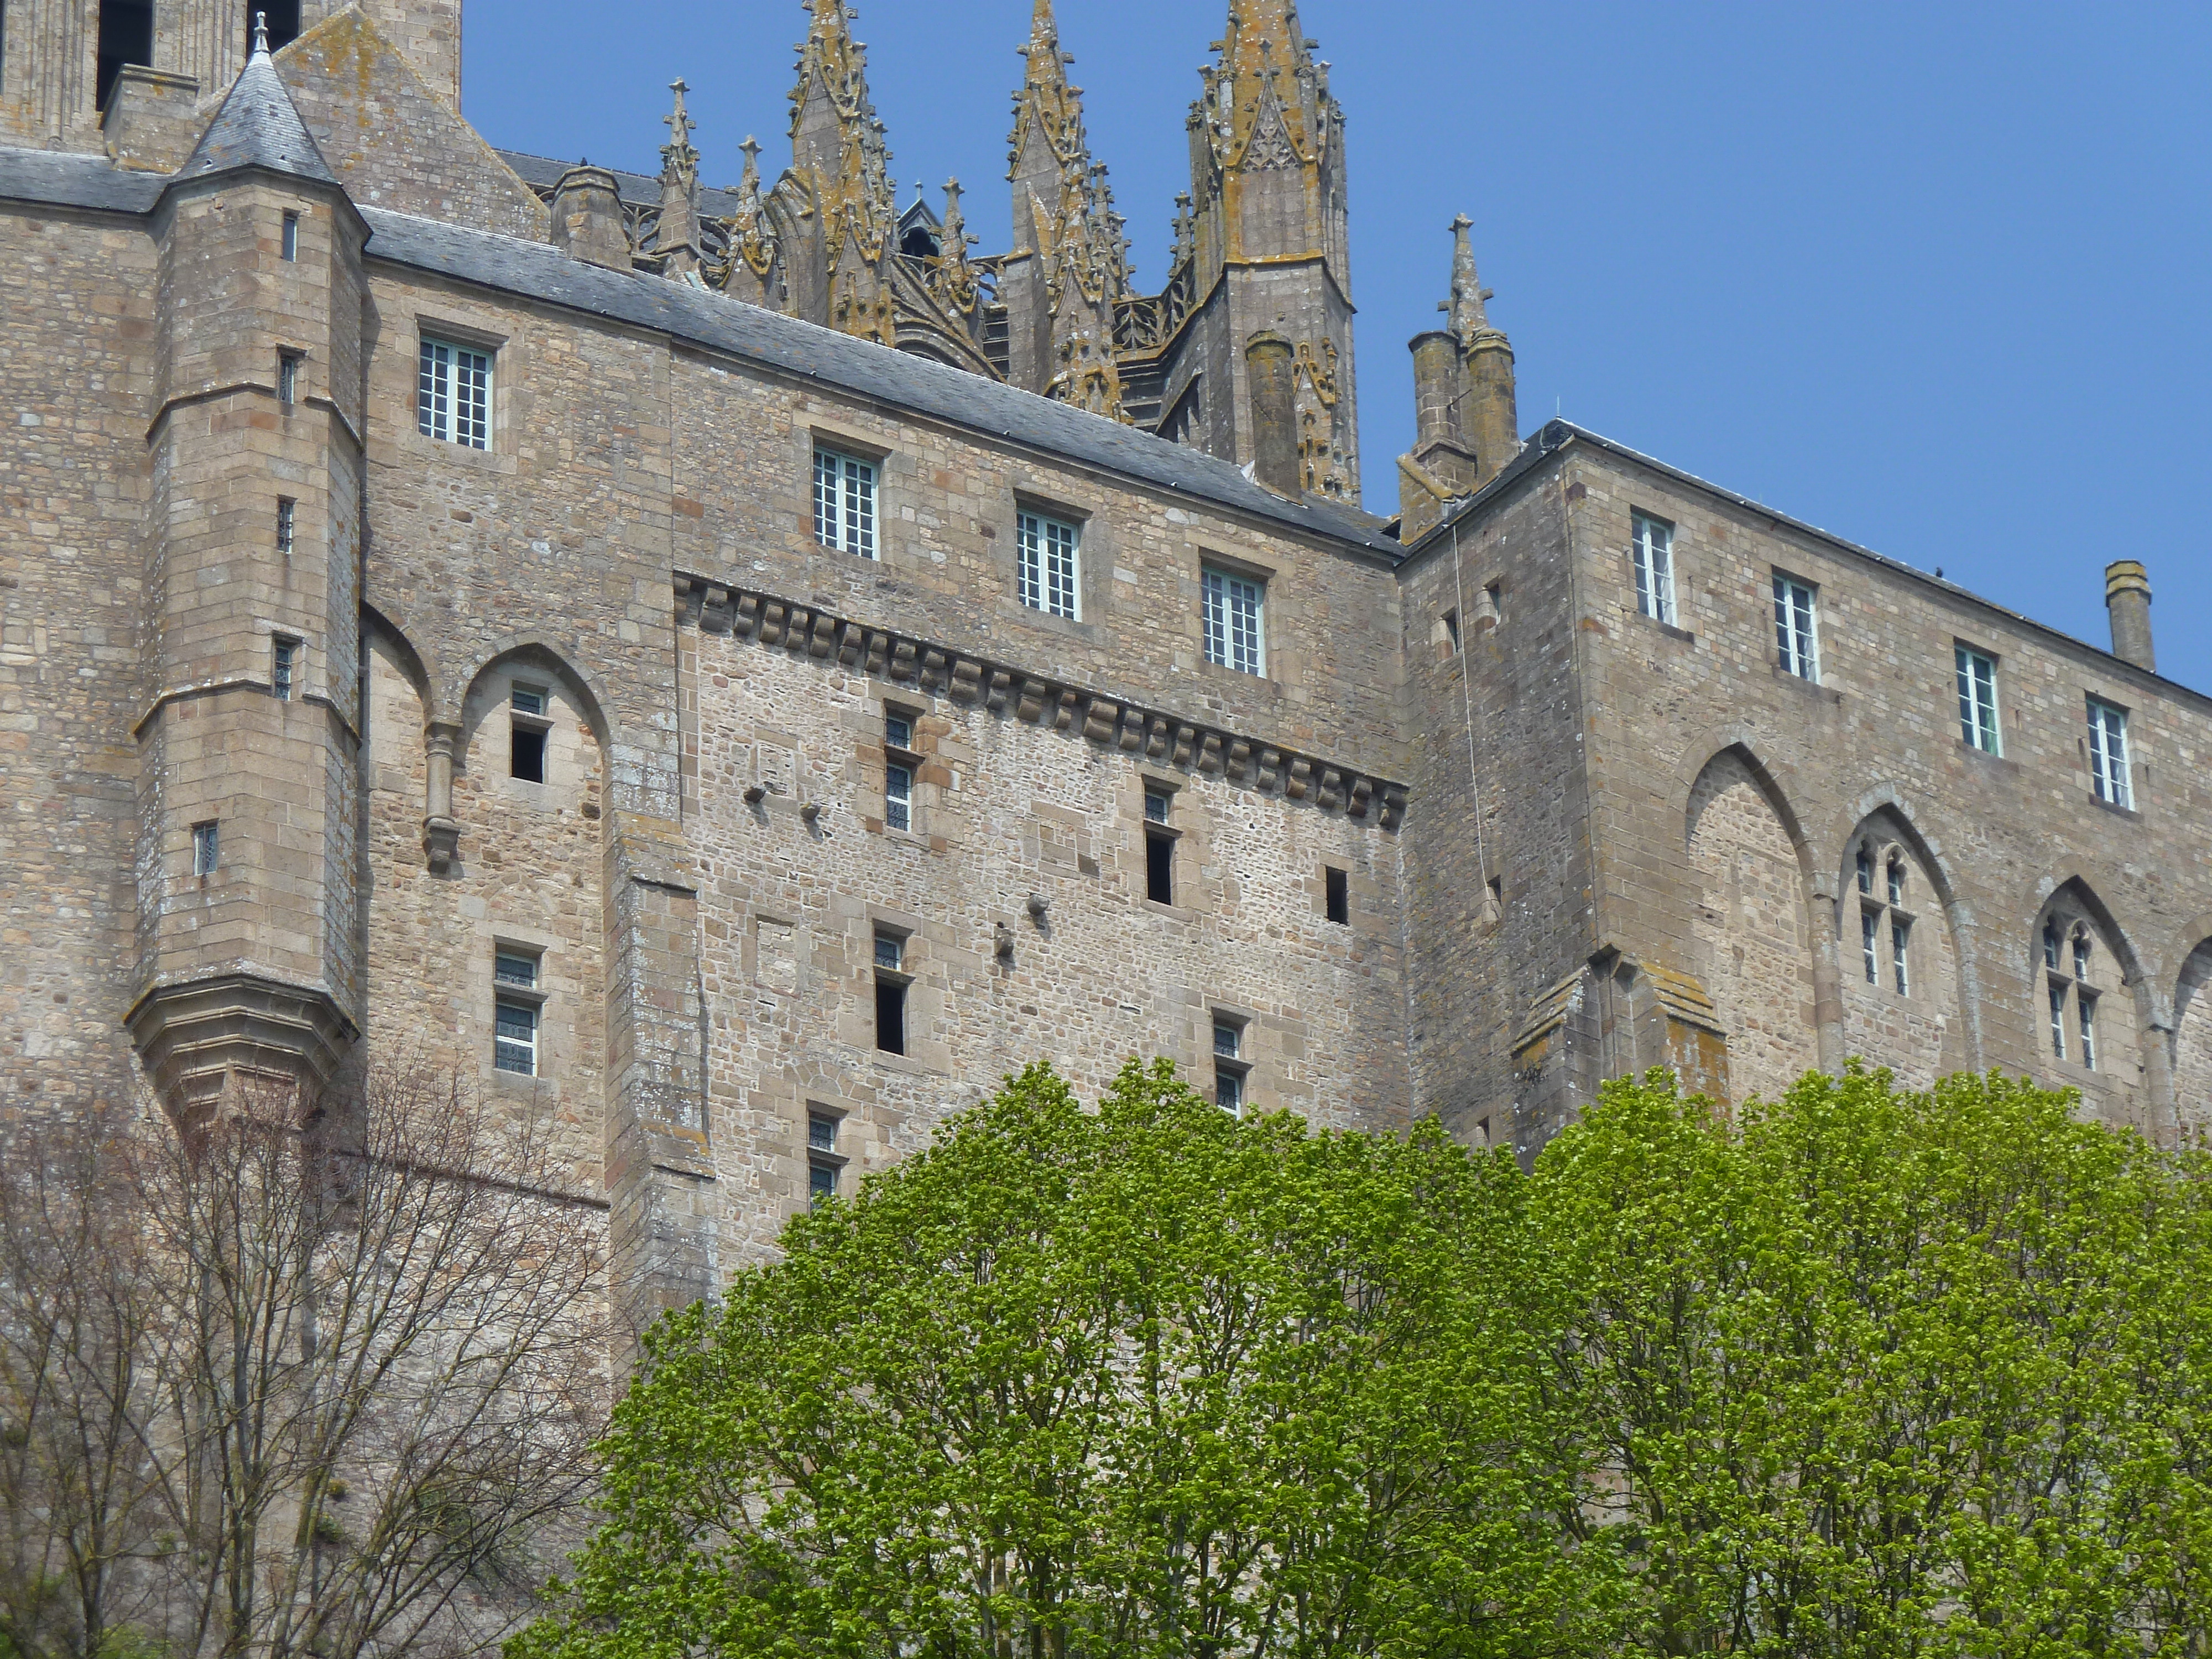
x=1751 y=926
x=533 y=652
x=2085 y=981
x=1906 y=983
x=2192 y=1040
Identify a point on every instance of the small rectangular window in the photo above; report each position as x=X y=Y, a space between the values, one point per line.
x=822 y=1162
x=1651 y=550
x=1795 y=628
x=287 y=519
x=1236 y=620
x=515 y=967
x=891 y=993
x=820 y=1133
x=1338 y=884
x=1046 y=575
x=898 y=772
x=515 y=1037
x=821 y=1183
x=528 y=728
x=1228 y=1068
x=527 y=700
x=2057 y=1019
x=1900 y=940
x=204 y=849
x=1159 y=846
x=1158 y=804
x=1870 y=932
x=283 y=653
x=291 y=236
x=1978 y=702
x=2108 y=753
x=845 y=503
x=287 y=377
x=453 y=394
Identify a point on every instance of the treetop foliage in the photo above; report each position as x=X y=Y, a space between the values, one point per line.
x=1862 y=1372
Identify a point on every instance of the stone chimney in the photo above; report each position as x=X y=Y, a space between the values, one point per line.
x=149 y=123
x=587 y=218
x=2127 y=597
x=1271 y=377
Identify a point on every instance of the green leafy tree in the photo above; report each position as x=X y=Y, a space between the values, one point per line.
x=1145 y=1381
x=1877 y=1373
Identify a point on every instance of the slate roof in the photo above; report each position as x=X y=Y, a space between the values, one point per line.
x=543 y=173
x=257 y=126
x=50 y=178
x=899 y=379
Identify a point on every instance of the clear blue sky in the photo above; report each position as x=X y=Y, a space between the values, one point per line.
x=1933 y=277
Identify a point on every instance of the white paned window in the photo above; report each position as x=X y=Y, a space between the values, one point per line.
x=1652 y=552
x=1900 y=956
x=1229 y=1067
x=452 y=395
x=1794 y=627
x=845 y=503
x=2108 y=754
x=514 y=1013
x=2057 y=1021
x=898 y=772
x=1236 y=608
x=204 y=849
x=1869 y=931
x=1978 y=702
x=1047 y=564
x=283 y=656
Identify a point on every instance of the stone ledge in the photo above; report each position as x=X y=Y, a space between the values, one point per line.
x=1163 y=739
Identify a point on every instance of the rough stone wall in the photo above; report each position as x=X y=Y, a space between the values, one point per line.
x=1753 y=947
x=1005 y=809
x=1920 y=1032
x=393 y=138
x=46 y=83
x=74 y=488
x=2192 y=1043
x=1880 y=732
x=1502 y=709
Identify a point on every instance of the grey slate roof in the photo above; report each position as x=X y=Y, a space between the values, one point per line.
x=257 y=126
x=83 y=181
x=899 y=379
x=543 y=173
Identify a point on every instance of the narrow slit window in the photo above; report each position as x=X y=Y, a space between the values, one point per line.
x=845 y=503
x=528 y=707
x=1978 y=702
x=283 y=654
x=2081 y=953
x=2086 y=1007
x=1652 y=553
x=1235 y=619
x=1229 y=1070
x=891 y=993
x=898 y=771
x=1866 y=869
x=287 y=377
x=1795 y=628
x=823 y=1163
x=2108 y=754
x=291 y=236
x=1900 y=940
x=1159 y=847
x=453 y=394
x=2058 y=1020
x=2051 y=947
x=205 y=849
x=1896 y=879
x=1339 y=886
x=1451 y=631
x=1869 y=931
x=126 y=36
x=1049 y=548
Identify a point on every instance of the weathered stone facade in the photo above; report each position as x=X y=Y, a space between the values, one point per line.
x=312 y=715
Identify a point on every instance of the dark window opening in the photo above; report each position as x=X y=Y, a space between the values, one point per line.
x=821 y=1184
x=126 y=36
x=1159 y=869
x=919 y=244
x=1339 y=898
x=529 y=754
x=284 y=17
x=291 y=238
x=891 y=1015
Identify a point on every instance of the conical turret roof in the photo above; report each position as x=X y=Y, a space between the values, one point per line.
x=258 y=126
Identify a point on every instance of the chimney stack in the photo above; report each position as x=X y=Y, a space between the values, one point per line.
x=1271 y=364
x=2127 y=596
x=587 y=218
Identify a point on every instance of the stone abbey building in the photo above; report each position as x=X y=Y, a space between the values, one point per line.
x=740 y=670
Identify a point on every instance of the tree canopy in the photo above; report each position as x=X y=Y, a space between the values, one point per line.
x=1862 y=1372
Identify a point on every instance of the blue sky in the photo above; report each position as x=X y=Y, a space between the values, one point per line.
x=1932 y=277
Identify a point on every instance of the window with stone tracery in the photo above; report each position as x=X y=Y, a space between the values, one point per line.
x=1886 y=915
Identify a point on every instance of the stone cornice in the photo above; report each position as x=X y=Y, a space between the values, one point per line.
x=1113 y=722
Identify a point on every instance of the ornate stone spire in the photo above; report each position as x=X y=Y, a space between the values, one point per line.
x=1469 y=317
x=839 y=154
x=676 y=238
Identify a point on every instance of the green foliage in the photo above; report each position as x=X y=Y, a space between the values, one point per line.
x=1860 y=1373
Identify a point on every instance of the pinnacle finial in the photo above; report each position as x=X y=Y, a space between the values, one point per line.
x=1469 y=317
x=260 y=34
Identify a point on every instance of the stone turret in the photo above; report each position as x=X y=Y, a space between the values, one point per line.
x=1465 y=416
x=1267 y=242
x=249 y=981
x=675 y=235
x=1070 y=265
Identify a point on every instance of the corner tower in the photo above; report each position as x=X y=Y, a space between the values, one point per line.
x=1265 y=251
x=1466 y=415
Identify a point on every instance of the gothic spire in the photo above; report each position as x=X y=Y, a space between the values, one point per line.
x=675 y=238
x=1468 y=317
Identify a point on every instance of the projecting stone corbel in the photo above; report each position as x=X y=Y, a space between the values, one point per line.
x=441 y=835
x=1099 y=719
x=1001 y=683
x=1271 y=766
x=1133 y=730
x=852 y=644
x=1363 y=790
x=771 y=625
x=1063 y=715
x=746 y=618
x=1209 y=752
x=1033 y=697
x=1331 y=787
x=967 y=679
x=1300 y=779
x=1157 y=737
x=824 y=640
x=903 y=663
x=1240 y=758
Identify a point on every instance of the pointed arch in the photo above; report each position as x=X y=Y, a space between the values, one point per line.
x=2190 y=1028
x=405 y=655
x=535 y=651
x=1753 y=940
x=1910 y=981
x=1776 y=781
x=2090 y=1000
